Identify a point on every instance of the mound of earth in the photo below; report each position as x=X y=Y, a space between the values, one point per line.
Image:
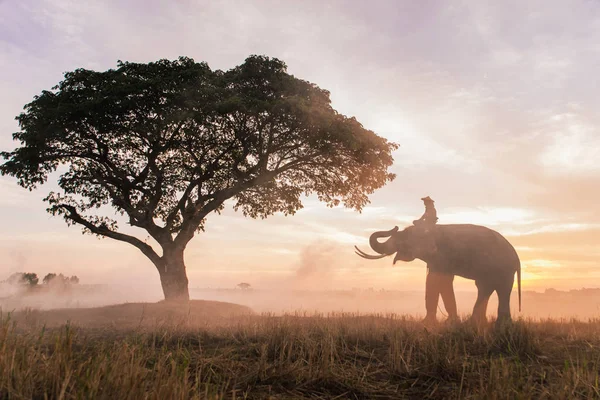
x=135 y=315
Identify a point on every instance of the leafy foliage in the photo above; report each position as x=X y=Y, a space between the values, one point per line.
x=60 y=279
x=31 y=278
x=23 y=278
x=49 y=278
x=166 y=143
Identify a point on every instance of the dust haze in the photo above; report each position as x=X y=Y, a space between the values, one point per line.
x=310 y=289
x=313 y=290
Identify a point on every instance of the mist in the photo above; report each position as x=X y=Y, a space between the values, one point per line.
x=580 y=304
x=19 y=297
x=316 y=285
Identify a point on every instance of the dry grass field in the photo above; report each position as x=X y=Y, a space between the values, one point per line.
x=212 y=350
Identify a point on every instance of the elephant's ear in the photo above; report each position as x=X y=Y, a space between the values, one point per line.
x=408 y=230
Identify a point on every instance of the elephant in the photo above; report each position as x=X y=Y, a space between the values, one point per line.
x=471 y=251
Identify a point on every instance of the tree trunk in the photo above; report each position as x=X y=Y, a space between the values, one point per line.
x=173 y=277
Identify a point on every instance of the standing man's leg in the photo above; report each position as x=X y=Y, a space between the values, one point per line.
x=432 y=295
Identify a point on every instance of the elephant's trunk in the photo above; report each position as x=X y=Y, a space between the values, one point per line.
x=385 y=247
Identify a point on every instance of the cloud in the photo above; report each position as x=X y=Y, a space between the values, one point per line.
x=574 y=147
x=489 y=216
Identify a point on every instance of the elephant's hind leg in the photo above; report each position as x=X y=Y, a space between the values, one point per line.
x=484 y=291
x=447 y=292
x=504 y=290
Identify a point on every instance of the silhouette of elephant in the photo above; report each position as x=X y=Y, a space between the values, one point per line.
x=471 y=251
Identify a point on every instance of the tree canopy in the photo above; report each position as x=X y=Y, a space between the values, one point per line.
x=167 y=142
x=23 y=278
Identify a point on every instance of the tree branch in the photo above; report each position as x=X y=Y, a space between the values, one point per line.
x=136 y=217
x=145 y=248
x=190 y=225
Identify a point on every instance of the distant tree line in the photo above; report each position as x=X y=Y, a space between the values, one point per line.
x=31 y=279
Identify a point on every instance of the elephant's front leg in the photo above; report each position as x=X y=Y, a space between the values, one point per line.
x=438 y=284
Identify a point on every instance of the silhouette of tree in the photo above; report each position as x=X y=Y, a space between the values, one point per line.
x=31 y=278
x=74 y=280
x=168 y=142
x=244 y=286
x=20 y=278
x=49 y=278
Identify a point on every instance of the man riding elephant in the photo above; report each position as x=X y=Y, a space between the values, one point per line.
x=429 y=217
x=470 y=251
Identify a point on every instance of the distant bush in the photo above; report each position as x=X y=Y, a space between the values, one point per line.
x=31 y=279
x=53 y=279
x=23 y=278
x=49 y=278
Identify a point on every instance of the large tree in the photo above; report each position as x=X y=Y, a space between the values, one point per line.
x=168 y=142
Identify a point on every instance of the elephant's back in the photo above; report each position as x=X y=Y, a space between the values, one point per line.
x=467 y=245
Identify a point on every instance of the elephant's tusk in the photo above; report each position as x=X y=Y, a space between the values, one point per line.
x=368 y=256
x=359 y=251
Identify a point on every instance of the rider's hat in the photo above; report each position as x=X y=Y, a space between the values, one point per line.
x=427 y=199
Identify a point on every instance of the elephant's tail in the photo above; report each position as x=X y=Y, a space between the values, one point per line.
x=519 y=284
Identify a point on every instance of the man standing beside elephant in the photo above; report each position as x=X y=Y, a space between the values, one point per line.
x=437 y=284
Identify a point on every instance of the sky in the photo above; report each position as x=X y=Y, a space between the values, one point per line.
x=494 y=104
